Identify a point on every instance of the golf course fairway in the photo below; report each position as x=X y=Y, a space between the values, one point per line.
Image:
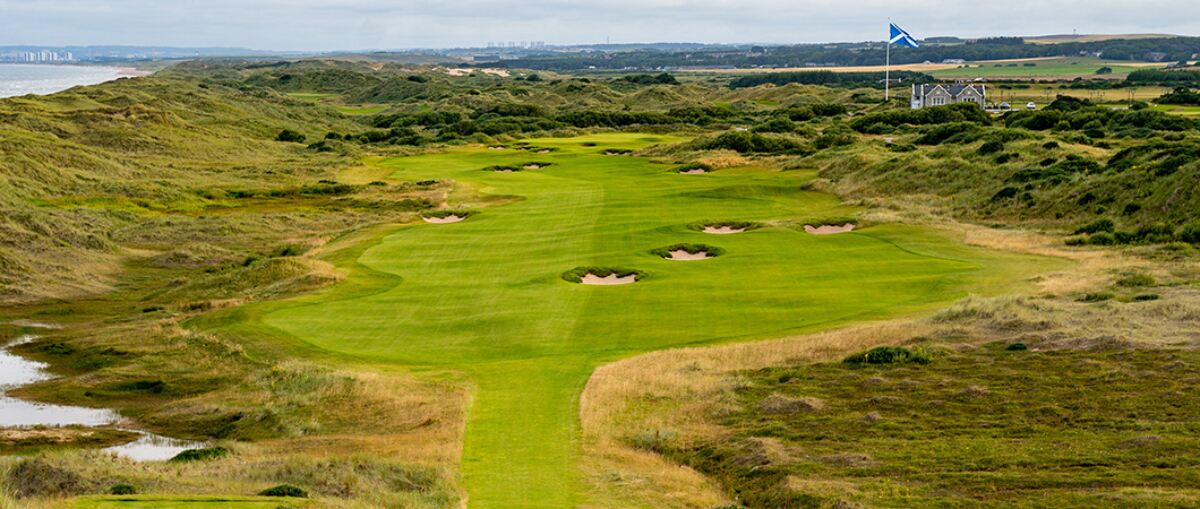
x=484 y=297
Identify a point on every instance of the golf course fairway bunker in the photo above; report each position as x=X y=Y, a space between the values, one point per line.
x=611 y=279
x=688 y=252
x=828 y=229
x=602 y=276
x=444 y=217
x=486 y=300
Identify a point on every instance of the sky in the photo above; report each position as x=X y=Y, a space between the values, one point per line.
x=328 y=25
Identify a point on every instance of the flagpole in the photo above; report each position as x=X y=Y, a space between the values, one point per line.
x=887 y=68
x=887 y=74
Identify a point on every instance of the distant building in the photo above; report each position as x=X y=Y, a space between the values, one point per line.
x=954 y=61
x=940 y=94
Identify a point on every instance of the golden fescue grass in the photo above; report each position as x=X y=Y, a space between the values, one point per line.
x=679 y=392
x=724 y=159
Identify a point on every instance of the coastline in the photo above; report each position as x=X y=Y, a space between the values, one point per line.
x=18 y=79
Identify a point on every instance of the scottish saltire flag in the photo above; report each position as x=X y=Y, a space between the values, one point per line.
x=899 y=36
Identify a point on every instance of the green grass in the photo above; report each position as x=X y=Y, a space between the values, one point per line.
x=484 y=297
x=1068 y=67
x=358 y=109
x=981 y=427
x=186 y=502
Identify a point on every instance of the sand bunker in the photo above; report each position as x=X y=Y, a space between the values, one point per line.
x=722 y=230
x=611 y=279
x=533 y=167
x=683 y=256
x=694 y=171
x=452 y=218
x=828 y=229
x=544 y=151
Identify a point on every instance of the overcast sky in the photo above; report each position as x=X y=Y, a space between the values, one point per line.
x=310 y=25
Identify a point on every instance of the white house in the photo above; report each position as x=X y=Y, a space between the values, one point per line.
x=941 y=94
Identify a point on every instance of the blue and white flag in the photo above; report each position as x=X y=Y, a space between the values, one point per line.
x=899 y=36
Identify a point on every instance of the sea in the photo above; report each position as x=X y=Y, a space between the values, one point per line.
x=21 y=79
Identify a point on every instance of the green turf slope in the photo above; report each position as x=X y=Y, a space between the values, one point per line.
x=484 y=296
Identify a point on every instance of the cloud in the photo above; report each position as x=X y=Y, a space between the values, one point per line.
x=358 y=24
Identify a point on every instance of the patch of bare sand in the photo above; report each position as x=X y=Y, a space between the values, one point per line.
x=722 y=230
x=532 y=167
x=684 y=256
x=828 y=229
x=611 y=279
x=695 y=171
x=443 y=220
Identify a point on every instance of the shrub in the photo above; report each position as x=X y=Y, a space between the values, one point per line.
x=1016 y=347
x=122 y=489
x=289 y=135
x=1006 y=194
x=1146 y=297
x=1097 y=226
x=1136 y=280
x=651 y=79
x=836 y=135
x=203 y=454
x=958 y=112
x=284 y=490
x=288 y=250
x=776 y=125
x=887 y=355
x=1190 y=232
x=991 y=147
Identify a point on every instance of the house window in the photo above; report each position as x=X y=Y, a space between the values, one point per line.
x=938 y=101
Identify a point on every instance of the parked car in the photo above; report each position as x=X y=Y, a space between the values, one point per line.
x=1031 y=106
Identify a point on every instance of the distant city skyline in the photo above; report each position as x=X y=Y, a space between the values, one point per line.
x=345 y=25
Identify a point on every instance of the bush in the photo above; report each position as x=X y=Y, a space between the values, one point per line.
x=991 y=147
x=1146 y=297
x=776 y=125
x=203 y=454
x=1190 y=232
x=289 y=135
x=284 y=490
x=887 y=355
x=1136 y=280
x=958 y=112
x=1016 y=347
x=122 y=489
x=836 y=135
x=1097 y=226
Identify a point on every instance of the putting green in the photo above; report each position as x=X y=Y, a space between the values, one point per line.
x=485 y=297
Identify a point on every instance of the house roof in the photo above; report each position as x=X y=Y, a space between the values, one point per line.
x=954 y=90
